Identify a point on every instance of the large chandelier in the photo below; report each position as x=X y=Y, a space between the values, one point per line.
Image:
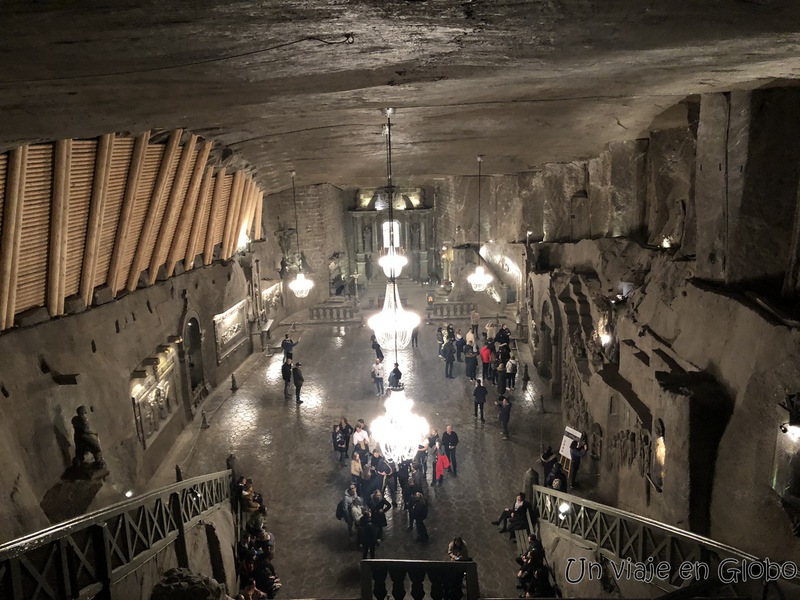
x=399 y=431
x=479 y=279
x=300 y=286
x=393 y=325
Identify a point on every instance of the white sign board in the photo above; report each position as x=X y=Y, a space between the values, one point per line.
x=570 y=434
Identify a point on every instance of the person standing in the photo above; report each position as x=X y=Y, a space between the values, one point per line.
x=419 y=512
x=449 y=353
x=378 y=371
x=440 y=339
x=297 y=377
x=475 y=320
x=479 y=394
x=500 y=376
x=505 y=416
x=450 y=441
x=511 y=371
x=394 y=376
x=469 y=339
x=347 y=432
x=433 y=445
x=286 y=373
x=415 y=337
x=577 y=450
x=367 y=537
x=460 y=343
x=288 y=346
x=470 y=363
x=486 y=359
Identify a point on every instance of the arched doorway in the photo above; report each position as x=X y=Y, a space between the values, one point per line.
x=193 y=342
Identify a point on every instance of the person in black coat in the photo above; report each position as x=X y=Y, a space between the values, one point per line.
x=286 y=373
x=548 y=459
x=449 y=353
x=419 y=512
x=471 y=363
x=297 y=376
x=377 y=347
x=557 y=479
x=480 y=394
x=367 y=537
x=378 y=507
x=514 y=518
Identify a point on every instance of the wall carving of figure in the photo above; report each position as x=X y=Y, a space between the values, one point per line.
x=284 y=236
x=596 y=442
x=366 y=238
x=414 y=230
x=644 y=452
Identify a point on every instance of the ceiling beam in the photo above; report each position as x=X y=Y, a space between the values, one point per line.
x=59 y=211
x=12 y=233
x=230 y=218
x=94 y=226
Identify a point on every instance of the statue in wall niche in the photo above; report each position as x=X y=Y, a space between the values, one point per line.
x=284 y=235
x=86 y=440
x=644 y=452
x=366 y=238
x=578 y=349
x=414 y=231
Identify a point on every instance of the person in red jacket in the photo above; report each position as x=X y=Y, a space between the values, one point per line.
x=486 y=358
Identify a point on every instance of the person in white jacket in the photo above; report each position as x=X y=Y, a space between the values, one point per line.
x=378 y=373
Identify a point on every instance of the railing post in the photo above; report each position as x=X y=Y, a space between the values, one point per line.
x=366 y=580
x=64 y=579
x=181 y=553
x=16 y=578
x=473 y=591
x=102 y=557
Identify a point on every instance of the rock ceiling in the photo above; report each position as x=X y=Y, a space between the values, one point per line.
x=522 y=82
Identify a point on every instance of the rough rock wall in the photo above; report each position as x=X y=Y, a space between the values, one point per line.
x=103 y=346
x=321 y=214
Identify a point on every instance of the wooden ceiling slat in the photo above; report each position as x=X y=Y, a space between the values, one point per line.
x=247 y=209
x=152 y=164
x=177 y=197
x=80 y=193
x=94 y=224
x=186 y=221
x=229 y=235
x=214 y=217
x=144 y=246
x=224 y=202
x=32 y=260
x=121 y=153
x=3 y=170
x=124 y=224
x=12 y=233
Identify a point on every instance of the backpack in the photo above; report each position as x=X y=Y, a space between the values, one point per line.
x=340 y=510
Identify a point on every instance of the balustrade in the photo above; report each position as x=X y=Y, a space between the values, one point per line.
x=439 y=580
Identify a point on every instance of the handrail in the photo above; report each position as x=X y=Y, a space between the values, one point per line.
x=85 y=556
x=621 y=536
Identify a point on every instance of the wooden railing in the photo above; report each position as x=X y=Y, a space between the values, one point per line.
x=439 y=580
x=86 y=556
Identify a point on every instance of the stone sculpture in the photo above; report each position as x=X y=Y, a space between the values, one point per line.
x=85 y=440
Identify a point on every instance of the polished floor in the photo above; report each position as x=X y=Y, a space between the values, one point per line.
x=286 y=448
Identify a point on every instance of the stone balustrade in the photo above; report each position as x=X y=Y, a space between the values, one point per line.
x=446 y=310
x=329 y=312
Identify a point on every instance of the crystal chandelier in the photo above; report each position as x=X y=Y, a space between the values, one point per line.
x=392 y=263
x=399 y=431
x=300 y=286
x=393 y=325
x=479 y=279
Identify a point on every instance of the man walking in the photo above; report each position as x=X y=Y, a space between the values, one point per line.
x=479 y=394
x=505 y=416
x=486 y=359
x=378 y=371
x=450 y=441
x=297 y=376
x=286 y=373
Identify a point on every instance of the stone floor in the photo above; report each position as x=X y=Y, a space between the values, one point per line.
x=287 y=449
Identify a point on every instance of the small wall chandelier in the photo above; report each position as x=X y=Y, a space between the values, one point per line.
x=479 y=279
x=393 y=325
x=300 y=286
